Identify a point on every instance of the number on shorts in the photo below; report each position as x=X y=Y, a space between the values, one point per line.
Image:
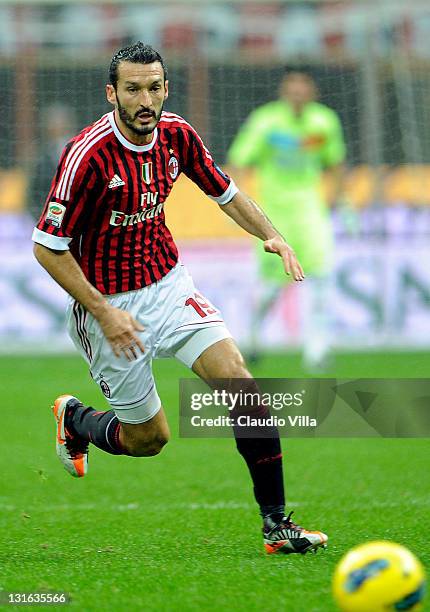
x=200 y=305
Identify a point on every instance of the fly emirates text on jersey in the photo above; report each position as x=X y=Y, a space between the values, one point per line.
x=150 y=210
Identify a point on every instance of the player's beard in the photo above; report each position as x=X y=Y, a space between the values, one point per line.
x=129 y=119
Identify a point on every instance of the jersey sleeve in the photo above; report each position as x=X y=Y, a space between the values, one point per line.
x=66 y=207
x=334 y=150
x=202 y=170
x=247 y=148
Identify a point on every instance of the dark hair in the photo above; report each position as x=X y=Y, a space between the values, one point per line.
x=302 y=71
x=138 y=53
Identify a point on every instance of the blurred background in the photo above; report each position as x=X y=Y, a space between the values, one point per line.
x=371 y=62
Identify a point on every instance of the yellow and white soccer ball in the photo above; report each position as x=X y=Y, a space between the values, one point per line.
x=378 y=577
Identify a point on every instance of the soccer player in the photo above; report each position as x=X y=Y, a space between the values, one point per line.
x=291 y=142
x=102 y=236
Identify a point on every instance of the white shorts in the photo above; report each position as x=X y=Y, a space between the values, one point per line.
x=178 y=321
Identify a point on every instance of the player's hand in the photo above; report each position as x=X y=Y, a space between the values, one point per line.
x=291 y=264
x=120 y=328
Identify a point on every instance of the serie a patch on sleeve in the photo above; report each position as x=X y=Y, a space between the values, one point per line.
x=55 y=214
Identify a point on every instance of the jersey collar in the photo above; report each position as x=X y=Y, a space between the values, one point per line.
x=125 y=142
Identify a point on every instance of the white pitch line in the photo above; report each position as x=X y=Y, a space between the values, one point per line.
x=133 y=506
x=221 y=505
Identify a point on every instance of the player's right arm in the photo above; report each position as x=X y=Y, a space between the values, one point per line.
x=62 y=221
x=118 y=326
x=249 y=144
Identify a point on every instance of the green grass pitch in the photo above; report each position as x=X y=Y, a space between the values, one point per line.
x=181 y=531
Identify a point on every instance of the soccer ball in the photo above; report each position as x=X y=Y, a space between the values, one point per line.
x=377 y=577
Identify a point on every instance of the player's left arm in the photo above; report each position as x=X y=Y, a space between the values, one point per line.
x=335 y=179
x=333 y=155
x=248 y=215
x=202 y=169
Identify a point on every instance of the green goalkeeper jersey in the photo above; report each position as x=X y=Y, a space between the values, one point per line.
x=289 y=153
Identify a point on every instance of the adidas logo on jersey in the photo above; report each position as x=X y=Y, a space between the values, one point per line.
x=116 y=181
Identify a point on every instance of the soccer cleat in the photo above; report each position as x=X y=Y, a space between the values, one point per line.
x=286 y=537
x=71 y=450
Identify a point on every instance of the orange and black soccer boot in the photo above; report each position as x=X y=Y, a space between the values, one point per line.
x=286 y=537
x=71 y=449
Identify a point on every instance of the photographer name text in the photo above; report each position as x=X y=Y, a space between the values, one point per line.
x=249 y=421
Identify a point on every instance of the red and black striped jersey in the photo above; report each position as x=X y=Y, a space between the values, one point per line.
x=106 y=201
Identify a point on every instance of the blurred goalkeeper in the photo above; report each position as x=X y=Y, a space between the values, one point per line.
x=291 y=143
x=102 y=236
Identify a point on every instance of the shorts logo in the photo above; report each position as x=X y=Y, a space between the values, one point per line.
x=55 y=214
x=173 y=167
x=147 y=172
x=105 y=388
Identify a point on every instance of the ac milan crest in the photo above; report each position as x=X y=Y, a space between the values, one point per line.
x=173 y=167
x=105 y=388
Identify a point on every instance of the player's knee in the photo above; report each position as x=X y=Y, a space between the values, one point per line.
x=235 y=367
x=147 y=447
x=155 y=446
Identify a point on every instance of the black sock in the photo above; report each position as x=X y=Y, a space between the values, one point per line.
x=263 y=457
x=100 y=428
